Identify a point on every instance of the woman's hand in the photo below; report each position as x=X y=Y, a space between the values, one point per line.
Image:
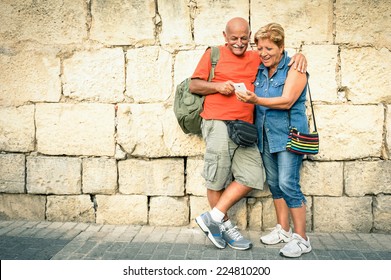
x=247 y=97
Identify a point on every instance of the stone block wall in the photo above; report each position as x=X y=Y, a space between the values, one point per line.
x=87 y=130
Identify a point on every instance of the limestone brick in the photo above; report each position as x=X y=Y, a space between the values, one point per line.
x=322 y=65
x=349 y=132
x=122 y=22
x=198 y=205
x=388 y=129
x=151 y=130
x=152 y=177
x=75 y=129
x=342 y=214
x=177 y=142
x=53 y=175
x=309 y=213
x=315 y=17
x=322 y=178
x=122 y=209
x=195 y=183
x=29 y=76
x=12 y=173
x=99 y=176
x=372 y=18
x=95 y=75
x=70 y=208
x=254 y=214
x=176 y=25
x=238 y=213
x=269 y=218
x=22 y=207
x=210 y=19
x=373 y=66
x=47 y=22
x=140 y=131
x=382 y=213
x=367 y=177
x=148 y=76
x=119 y=153
x=185 y=64
x=17 y=129
x=168 y=211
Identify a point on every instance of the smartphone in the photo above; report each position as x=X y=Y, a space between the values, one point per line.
x=240 y=87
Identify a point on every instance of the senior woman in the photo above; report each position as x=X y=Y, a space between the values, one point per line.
x=280 y=95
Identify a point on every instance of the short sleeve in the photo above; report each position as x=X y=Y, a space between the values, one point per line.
x=203 y=68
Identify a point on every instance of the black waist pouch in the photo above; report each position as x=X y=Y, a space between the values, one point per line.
x=242 y=133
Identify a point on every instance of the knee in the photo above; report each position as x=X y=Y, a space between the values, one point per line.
x=274 y=189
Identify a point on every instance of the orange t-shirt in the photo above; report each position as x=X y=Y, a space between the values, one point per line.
x=239 y=69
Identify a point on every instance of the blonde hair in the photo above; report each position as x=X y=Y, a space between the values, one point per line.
x=272 y=31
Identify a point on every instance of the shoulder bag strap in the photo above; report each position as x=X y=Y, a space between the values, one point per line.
x=214 y=57
x=312 y=107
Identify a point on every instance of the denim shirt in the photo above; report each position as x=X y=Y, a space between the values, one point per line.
x=276 y=123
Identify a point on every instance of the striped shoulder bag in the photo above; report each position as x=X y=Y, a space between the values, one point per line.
x=301 y=143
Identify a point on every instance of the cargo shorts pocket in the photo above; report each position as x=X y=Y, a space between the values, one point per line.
x=210 y=167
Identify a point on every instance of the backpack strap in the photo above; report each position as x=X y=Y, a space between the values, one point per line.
x=214 y=57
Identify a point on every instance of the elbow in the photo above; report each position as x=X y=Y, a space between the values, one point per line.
x=285 y=103
x=196 y=88
x=287 y=106
x=191 y=86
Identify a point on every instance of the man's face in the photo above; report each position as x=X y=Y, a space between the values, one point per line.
x=237 y=40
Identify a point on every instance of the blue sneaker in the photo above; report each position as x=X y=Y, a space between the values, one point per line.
x=212 y=229
x=235 y=239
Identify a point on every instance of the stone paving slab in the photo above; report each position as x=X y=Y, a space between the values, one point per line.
x=21 y=240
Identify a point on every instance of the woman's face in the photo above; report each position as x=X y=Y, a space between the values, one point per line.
x=269 y=52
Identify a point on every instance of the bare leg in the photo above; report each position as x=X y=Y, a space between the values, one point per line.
x=232 y=194
x=214 y=197
x=299 y=220
x=282 y=213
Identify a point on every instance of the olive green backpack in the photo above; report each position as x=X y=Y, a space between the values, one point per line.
x=187 y=105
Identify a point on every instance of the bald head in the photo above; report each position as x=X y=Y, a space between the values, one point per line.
x=237 y=23
x=237 y=35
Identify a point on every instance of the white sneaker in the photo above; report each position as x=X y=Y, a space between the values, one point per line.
x=277 y=235
x=296 y=247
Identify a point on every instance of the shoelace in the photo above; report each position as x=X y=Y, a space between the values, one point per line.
x=234 y=234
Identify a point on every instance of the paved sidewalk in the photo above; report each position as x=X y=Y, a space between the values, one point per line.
x=22 y=240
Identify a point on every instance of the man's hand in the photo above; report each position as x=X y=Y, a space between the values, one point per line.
x=225 y=88
x=299 y=62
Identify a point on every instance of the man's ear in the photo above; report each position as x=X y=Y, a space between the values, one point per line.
x=225 y=36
